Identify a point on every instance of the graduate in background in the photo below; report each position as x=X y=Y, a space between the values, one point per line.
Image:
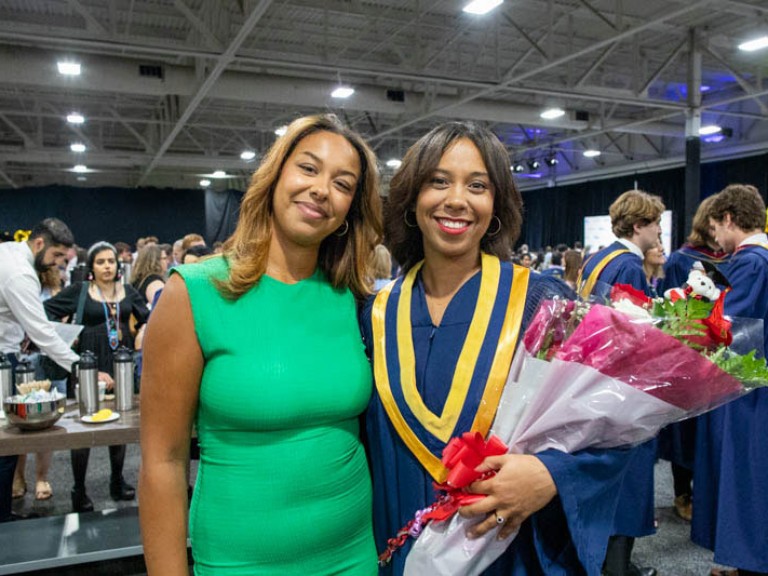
x=635 y=219
x=677 y=441
x=730 y=504
x=453 y=216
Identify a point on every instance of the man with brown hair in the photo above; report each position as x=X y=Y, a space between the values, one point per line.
x=635 y=220
x=731 y=466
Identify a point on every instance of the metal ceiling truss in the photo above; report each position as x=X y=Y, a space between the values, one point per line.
x=220 y=76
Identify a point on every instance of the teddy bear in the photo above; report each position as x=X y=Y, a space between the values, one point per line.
x=698 y=285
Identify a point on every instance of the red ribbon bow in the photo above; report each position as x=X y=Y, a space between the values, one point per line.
x=719 y=328
x=461 y=456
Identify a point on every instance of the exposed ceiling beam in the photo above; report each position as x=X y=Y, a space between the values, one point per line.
x=746 y=86
x=8 y=179
x=552 y=64
x=223 y=61
x=198 y=25
x=28 y=142
x=131 y=129
x=596 y=64
x=525 y=35
x=91 y=22
x=667 y=61
x=597 y=13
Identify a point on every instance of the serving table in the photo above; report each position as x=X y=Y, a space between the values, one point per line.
x=70 y=433
x=56 y=542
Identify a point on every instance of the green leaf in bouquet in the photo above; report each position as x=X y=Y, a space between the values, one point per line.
x=750 y=370
x=681 y=318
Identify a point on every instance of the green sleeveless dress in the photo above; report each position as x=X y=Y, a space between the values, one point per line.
x=283 y=485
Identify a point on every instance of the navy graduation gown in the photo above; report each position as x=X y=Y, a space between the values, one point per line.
x=677 y=442
x=635 y=511
x=569 y=535
x=731 y=498
x=623 y=269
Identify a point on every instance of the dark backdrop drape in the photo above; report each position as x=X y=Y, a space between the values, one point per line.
x=556 y=215
x=114 y=214
x=552 y=215
x=221 y=212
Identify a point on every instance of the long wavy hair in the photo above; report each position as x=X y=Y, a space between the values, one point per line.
x=345 y=260
x=420 y=162
x=148 y=262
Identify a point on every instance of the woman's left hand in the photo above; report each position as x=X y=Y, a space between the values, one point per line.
x=522 y=485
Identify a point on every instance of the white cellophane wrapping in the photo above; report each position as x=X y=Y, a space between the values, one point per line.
x=545 y=404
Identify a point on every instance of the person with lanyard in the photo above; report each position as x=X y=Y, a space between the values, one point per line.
x=677 y=441
x=730 y=501
x=106 y=308
x=269 y=366
x=635 y=220
x=21 y=312
x=442 y=338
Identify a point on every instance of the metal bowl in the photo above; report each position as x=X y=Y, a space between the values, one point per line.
x=34 y=415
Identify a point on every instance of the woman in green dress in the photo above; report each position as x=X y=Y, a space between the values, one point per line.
x=268 y=365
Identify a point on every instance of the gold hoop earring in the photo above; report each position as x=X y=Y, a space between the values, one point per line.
x=346 y=229
x=498 y=229
x=405 y=218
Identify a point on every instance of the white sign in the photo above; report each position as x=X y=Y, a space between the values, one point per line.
x=597 y=232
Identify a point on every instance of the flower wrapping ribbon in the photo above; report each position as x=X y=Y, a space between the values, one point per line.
x=460 y=456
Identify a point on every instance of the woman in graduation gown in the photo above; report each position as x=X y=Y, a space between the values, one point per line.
x=442 y=338
x=677 y=441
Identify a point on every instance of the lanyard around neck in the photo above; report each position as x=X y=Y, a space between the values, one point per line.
x=113 y=332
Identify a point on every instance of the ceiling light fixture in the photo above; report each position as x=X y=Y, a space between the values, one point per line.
x=75 y=118
x=591 y=153
x=756 y=44
x=551 y=161
x=342 y=92
x=205 y=183
x=710 y=129
x=480 y=7
x=394 y=163
x=247 y=155
x=219 y=174
x=534 y=165
x=77 y=147
x=68 y=68
x=80 y=168
x=517 y=167
x=552 y=113
x=281 y=130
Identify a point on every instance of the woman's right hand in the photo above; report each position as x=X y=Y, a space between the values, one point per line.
x=104 y=377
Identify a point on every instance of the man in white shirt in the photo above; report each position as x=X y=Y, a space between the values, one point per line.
x=21 y=312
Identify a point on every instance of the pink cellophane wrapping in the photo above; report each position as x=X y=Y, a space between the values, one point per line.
x=613 y=382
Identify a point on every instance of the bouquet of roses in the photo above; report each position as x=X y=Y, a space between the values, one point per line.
x=593 y=375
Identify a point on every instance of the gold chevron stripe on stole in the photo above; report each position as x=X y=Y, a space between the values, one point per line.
x=586 y=290
x=431 y=463
x=443 y=427
x=510 y=332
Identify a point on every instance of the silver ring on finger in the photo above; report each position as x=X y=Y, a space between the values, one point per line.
x=499 y=519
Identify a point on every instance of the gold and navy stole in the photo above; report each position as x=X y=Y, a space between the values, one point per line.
x=585 y=287
x=762 y=245
x=480 y=373
x=704 y=255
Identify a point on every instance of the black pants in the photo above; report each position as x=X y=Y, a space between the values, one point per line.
x=79 y=459
x=7 y=468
